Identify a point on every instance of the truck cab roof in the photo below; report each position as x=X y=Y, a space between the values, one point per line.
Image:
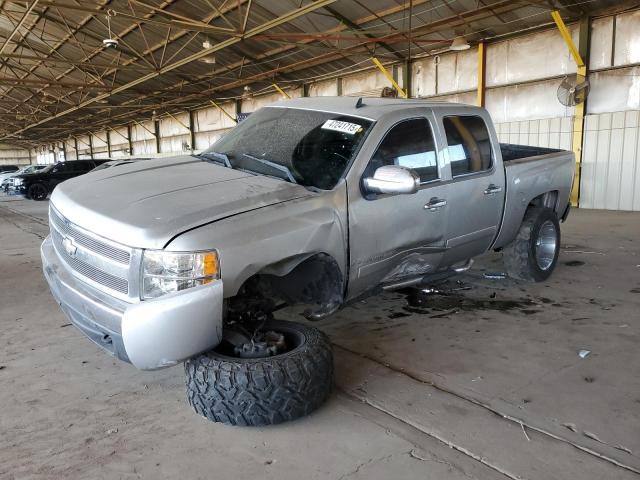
x=371 y=108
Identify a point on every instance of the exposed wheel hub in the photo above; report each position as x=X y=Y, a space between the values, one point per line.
x=267 y=344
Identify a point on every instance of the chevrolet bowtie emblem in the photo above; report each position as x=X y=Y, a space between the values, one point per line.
x=69 y=246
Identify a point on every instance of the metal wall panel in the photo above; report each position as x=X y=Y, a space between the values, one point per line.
x=100 y=147
x=119 y=142
x=457 y=71
x=84 y=148
x=614 y=90
x=529 y=101
x=547 y=132
x=424 y=77
x=468 y=98
x=601 y=44
x=325 y=88
x=611 y=162
x=367 y=84
x=14 y=156
x=175 y=136
x=70 y=147
x=627 y=42
x=252 y=104
x=529 y=57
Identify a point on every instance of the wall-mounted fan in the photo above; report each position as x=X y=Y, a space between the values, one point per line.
x=573 y=91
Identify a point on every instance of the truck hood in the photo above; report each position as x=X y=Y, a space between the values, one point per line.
x=146 y=204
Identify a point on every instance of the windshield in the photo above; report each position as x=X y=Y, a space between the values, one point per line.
x=302 y=146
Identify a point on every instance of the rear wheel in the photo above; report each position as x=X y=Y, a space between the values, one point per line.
x=533 y=254
x=279 y=372
x=37 y=191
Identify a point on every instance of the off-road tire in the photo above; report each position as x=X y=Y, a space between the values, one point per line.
x=263 y=391
x=37 y=192
x=519 y=256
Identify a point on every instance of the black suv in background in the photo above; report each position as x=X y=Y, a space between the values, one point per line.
x=40 y=184
x=8 y=168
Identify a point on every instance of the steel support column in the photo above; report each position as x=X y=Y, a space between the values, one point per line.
x=192 y=129
x=108 y=133
x=482 y=64
x=156 y=128
x=129 y=140
x=580 y=55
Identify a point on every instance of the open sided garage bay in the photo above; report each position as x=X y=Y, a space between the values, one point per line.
x=490 y=369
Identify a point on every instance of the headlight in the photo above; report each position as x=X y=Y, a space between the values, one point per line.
x=167 y=272
x=18 y=181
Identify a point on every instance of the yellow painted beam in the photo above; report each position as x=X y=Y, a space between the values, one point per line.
x=578 y=135
x=280 y=91
x=482 y=58
x=579 y=110
x=386 y=73
x=567 y=37
x=223 y=111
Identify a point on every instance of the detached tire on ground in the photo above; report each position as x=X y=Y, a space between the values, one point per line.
x=263 y=391
x=533 y=254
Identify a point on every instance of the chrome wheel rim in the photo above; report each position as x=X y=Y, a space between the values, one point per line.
x=546 y=245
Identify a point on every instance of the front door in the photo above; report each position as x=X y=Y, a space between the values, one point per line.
x=402 y=236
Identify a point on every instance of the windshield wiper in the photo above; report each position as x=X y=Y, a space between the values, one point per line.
x=277 y=166
x=216 y=157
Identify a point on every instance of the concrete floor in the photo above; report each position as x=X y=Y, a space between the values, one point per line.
x=483 y=383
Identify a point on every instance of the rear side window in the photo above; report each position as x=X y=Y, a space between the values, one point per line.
x=408 y=144
x=82 y=166
x=468 y=143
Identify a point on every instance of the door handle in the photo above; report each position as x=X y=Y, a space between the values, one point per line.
x=491 y=189
x=435 y=203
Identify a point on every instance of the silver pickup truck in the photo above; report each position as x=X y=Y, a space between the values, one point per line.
x=314 y=201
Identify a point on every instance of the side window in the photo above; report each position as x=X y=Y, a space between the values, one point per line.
x=468 y=143
x=408 y=144
x=63 y=167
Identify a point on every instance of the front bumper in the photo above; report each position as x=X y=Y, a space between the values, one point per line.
x=151 y=334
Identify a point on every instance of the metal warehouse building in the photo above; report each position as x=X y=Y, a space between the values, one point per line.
x=396 y=319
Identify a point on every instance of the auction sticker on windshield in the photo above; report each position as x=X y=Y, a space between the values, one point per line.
x=344 y=127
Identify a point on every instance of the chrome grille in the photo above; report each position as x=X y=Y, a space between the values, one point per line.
x=103 y=278
x=101 y=248
x=92 y=258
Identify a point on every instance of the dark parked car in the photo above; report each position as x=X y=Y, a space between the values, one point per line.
x=39 y=185
x=8 y=168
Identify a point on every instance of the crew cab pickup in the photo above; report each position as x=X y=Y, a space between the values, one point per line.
x=316 y=201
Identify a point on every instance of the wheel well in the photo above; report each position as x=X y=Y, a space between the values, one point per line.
x=547 y=199
x=315 y=280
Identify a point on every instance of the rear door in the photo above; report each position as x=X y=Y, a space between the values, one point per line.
x=398 y=237
x=476 y=194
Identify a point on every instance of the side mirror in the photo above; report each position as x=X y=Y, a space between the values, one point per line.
x=392 y=179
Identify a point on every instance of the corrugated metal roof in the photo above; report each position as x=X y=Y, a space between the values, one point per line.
x=58 y=79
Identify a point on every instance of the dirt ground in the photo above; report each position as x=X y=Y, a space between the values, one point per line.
x=482 y=380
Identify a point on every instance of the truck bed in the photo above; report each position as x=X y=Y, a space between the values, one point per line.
x=512 y=152
x=530 y=172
